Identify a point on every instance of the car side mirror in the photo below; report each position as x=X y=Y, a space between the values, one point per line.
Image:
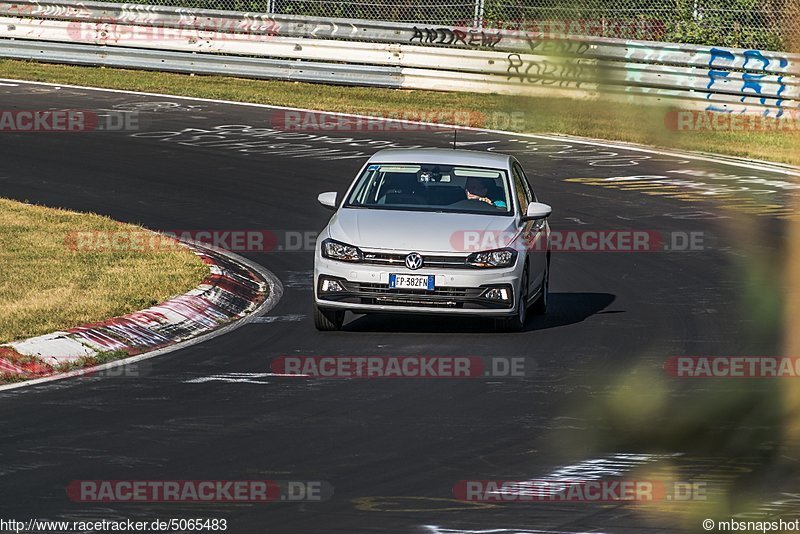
x=328 y=200
x=536 y=210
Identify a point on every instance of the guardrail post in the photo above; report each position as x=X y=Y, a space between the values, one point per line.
x=480 y=11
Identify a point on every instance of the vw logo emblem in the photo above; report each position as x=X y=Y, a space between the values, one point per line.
x=414 y=261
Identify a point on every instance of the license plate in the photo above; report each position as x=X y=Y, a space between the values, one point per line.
x=410 y=281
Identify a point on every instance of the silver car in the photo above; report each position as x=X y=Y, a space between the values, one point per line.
x=434 y=231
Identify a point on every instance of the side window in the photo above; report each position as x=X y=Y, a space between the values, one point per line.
x=522 y=188
x=526 y=183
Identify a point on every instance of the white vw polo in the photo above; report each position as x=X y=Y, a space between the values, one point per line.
x=434 y=231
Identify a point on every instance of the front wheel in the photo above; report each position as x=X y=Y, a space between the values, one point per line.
x=328 y=320
x=540 y=306
x=517 y=322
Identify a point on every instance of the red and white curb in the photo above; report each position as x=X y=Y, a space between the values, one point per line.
x=234 y=290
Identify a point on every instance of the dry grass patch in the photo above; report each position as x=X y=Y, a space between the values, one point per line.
x=48 y=285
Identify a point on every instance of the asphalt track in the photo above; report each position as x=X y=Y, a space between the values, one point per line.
x=598 y=403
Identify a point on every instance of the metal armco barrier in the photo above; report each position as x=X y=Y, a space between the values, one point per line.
x=374 y=53
x=133 y=58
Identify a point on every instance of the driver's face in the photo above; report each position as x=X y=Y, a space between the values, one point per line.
x=476 y=187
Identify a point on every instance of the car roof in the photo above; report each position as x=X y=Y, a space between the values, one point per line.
x=441 y=156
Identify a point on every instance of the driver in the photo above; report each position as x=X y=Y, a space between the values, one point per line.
x=476 y=190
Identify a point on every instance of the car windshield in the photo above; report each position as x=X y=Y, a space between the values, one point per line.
x=442 y=188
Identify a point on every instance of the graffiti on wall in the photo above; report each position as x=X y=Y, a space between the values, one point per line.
x=474 y=38
x=556 y=47
x=545 y=71
x=455 y=36
x=763 y=82
x=45 y=10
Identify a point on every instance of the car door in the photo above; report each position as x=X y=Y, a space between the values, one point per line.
x=534 y=232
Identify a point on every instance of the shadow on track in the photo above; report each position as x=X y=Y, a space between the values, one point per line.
x=563 y=309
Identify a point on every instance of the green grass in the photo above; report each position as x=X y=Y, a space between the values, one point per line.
x=47 y=285
x=91 y=361
x=603 y=120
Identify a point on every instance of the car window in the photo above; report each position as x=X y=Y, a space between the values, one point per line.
x=526 y=183
x=428 y=187
x=522 y=188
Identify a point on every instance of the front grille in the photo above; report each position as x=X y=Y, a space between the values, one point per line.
x=440 y=297
x=395 y=301
x=383 y=289
x=446 y=262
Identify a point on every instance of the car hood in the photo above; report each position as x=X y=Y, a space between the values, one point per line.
x=420 y=231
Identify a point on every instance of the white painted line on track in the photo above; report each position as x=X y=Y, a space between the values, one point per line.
x=242 y=378
x=238 y=378
x=279 y=319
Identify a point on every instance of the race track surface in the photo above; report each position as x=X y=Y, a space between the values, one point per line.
x=598 y=402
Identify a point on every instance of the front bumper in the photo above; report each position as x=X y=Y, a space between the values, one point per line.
x=457 y=291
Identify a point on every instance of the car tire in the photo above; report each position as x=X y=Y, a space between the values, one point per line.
x=328 y=320
x=540 y=306
x=517 y=322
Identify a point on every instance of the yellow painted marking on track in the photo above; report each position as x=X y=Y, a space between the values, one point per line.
x=647 y=186
x=583 y=180
x=386 y=504
x=678 y=192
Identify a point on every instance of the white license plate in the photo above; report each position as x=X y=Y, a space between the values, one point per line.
x=410 y=281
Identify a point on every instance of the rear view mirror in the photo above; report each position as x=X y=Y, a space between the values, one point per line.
x=537 y=210
x=328 y=200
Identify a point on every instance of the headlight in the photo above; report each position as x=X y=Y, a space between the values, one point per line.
x=339 y=251
x=493 y=258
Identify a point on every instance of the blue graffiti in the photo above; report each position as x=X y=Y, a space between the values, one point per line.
x=714 y=75
x=764 y=112
x=781 y=85
x=717 y=53
x=752 y=84
x=755 y=55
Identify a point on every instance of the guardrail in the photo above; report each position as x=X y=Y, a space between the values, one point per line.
x=398 y=55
